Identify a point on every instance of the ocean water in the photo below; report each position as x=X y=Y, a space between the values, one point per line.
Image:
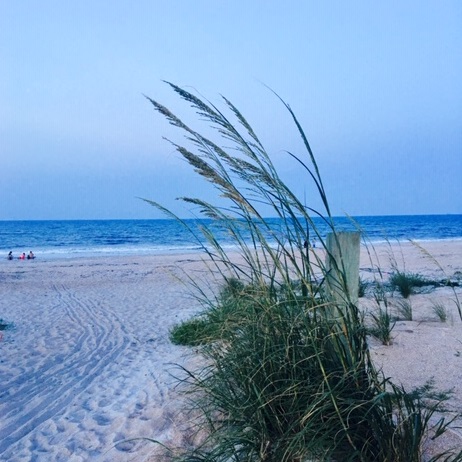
x=70 y=239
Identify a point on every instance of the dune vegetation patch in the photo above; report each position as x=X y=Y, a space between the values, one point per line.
x=4 y=325
x=288 y=374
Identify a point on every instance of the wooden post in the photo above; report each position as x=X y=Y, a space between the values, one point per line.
x=342 y=263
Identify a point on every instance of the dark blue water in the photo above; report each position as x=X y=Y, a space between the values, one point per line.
x=63 y=239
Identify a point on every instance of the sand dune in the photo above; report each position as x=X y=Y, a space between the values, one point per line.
x=86 y=373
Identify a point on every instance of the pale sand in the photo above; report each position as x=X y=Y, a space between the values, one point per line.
x=89 y=363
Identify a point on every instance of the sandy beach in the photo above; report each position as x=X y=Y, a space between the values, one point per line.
x=86 y=373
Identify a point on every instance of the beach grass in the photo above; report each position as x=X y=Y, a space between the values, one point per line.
x=382 y=325
x=406 y=283
x=193 y=332
x=440 y=310
x=4 y=325
x=362 y=287
x=404 y=309
x=289 y=377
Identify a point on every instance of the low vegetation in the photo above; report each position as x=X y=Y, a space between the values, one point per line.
x=362 y=288
x=404 y=310
x=288 y=375
x=5 y=325
x=407 y=283
x=440 y=310
x=382 y=325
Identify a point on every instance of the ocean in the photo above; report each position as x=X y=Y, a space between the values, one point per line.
x=88 y=238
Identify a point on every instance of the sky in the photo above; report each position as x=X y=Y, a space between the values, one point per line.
x=376 y=86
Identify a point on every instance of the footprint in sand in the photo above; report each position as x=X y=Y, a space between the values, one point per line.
x=102 y=420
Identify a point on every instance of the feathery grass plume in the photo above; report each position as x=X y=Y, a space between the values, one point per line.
x=284 y=380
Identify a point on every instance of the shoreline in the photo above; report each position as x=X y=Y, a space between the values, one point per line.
x=89 y=366
x=46 y=255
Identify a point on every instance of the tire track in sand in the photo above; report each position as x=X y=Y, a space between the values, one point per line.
x=100 y=338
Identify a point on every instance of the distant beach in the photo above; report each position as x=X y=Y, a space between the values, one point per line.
x=87 y=367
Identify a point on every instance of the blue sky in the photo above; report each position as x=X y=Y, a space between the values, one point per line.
x=376 y=86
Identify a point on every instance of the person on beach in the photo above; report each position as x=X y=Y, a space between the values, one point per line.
x=306 y=244
x=10 y=255
x=23 y=256
x=31 y=256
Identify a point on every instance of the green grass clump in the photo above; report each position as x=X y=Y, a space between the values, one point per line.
x=5 y=325
x=288 y=375
x=440 y=310
x=237 y=305
x=194 y=332
x=406 y=283
x=362 y=288
x=231 y=309
x=382 y=325
x=404 y=309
